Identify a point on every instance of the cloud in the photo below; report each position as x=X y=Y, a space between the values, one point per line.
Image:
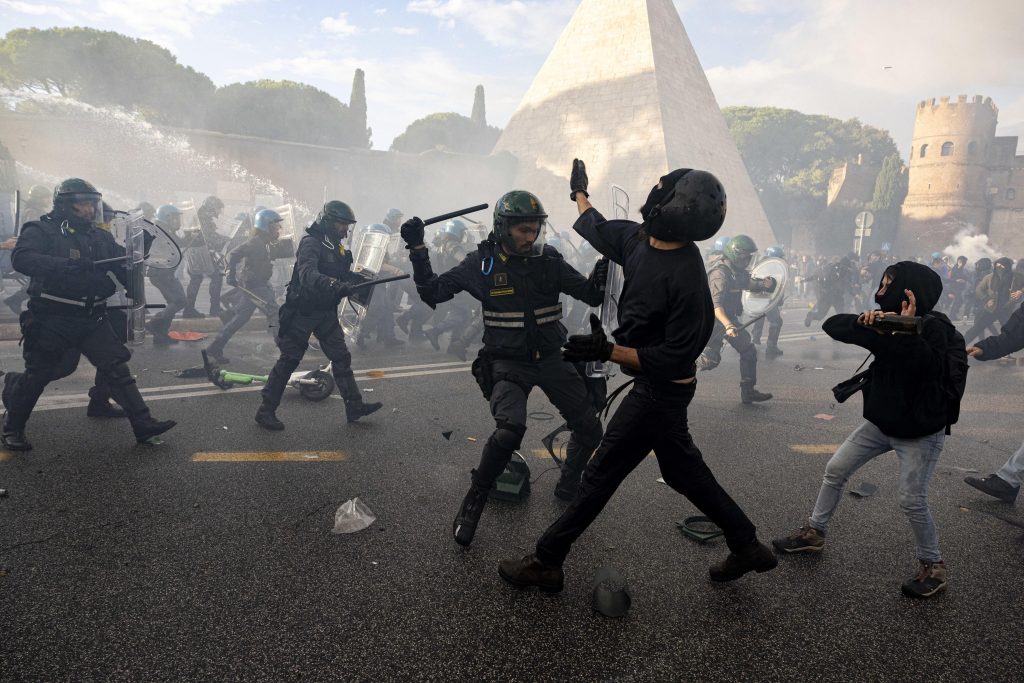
x=339 y=25
x=151 y=18
x=380 y=11
x=406 y=30
x=37 y=10
x=832 y=59
x=528 y=25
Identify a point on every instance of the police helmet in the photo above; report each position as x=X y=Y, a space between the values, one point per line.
x=378 y=228
x=455 y=230
x=740 y=250
x=265 y=218
x=776 y=250
x=169 y=217
x=335 y=211
x=70 y=198
x=512 y=208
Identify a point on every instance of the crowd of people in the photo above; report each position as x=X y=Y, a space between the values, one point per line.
x=530 y=301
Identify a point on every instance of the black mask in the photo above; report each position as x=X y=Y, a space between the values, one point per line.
x=892 y=300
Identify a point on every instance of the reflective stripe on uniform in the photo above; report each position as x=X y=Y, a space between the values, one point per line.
x=59 y=299
x=549 y=319
x=510 y=314
x=549 y=309
x=495 y=323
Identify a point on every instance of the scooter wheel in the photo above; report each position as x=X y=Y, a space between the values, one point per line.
x=322 y=389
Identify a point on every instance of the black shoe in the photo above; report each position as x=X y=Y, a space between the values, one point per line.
x=266 y=418
x=755 y=557
x=15 y=440
x=98 y=408
x=152 y=428
x=403 y=323
x=217 y=355
x=216 y=311
x=807 y=321
x=192 y=313
x=529 y=572
x=393 y=342
x=568 y=484
x=464 y=526
x=457 y=350
x=357 y=409
x=159 y=337
x=772 y=352
x=432 y=336
x=995 y=486
x=929 y=580
x=748 y=394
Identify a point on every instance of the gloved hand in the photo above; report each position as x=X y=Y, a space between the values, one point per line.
x=578 y=180
x=147 y=241
x=80 y=265
x=769 y=284
x=600 y=273
x=588 y=347
x=412 y=232
x=340 y=289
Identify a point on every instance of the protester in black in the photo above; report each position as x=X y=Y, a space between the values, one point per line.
x=665 y=320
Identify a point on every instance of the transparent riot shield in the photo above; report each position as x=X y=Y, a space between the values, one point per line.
x=135 y=251
x=609 y=312
x=761 y=303
x=373 y=247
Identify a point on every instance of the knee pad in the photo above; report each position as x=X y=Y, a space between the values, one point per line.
x=508 y=435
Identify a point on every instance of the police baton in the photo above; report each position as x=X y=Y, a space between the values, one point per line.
x=381 y=281
x=454 y=214
x=251 y=296
x=748 y=324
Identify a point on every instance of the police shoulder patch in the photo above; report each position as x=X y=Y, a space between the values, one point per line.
x=502 y=291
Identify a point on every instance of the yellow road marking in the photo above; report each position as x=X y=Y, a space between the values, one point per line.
x=4 y=455
x=541 y=453
x=814 y=448
x=375 y=374
x=270 y=456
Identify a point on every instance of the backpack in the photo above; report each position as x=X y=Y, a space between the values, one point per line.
x=954 y=376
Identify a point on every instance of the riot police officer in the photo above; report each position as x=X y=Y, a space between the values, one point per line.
x=321 y=277
x=379 y=317
x=67 y=311
x=257 y=267
x=459 y=314
x=728 y=277
x=773 y=316
x=204 y=258
x=518 y=283
x=168 y=217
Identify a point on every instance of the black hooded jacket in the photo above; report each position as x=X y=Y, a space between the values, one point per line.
x=905 y=397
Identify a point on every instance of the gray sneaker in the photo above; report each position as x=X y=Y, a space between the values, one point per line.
x=995 y=486
x=806 y=539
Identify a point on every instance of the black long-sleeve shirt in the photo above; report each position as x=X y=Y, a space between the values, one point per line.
x=1009 y=339
x=665 y=310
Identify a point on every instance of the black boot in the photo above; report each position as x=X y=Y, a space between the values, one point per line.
x=104 y=408
x=159 y=336
x=464 y=526
x=528 y=572
x=15 y=440
x=266 y=418
x=458 y=350
x=192 y=313
x=217 y=353
x=748 y=394
x=149 y=428
x=432 y=336
x=772 y=352
x=754 y=557
x=357 y=409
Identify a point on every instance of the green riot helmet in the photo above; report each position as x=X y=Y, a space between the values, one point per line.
x=740 y=250
x=266 y=218
x=335 y=218
x=78 y=203
x=147 y=209
x=514 y=209
x=39 y=197
x=455 y=230
x=168 y=217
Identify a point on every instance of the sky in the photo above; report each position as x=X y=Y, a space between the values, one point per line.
x=869 y=59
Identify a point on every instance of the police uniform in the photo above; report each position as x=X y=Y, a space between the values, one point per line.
x=311 y=307
x=257 y=268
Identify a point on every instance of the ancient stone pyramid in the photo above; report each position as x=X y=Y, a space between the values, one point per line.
x=624 y=91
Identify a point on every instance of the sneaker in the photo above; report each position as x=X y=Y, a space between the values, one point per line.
x=929 y=580
x=806 y=539
x=995 y=486
x=755 y=557
x=530 y=572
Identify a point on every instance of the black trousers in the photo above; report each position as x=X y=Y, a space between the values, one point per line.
x=195 y=282
x=174 y=295
x=52 y=347
x=983 y=320
x=293 y=341
x=828 y=299
x=648 y=419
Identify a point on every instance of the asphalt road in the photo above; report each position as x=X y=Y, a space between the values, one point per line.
x=125 y=562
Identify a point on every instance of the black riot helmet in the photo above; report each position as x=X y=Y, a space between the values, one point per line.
x=333 y=213
x=211 y=205
x=513 y=208
x=78 y=203
x=686 y=205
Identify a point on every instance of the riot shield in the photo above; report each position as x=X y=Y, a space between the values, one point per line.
x=287 y=221
x=369 y=258
x=757 y=304
x=609 y=313
x=134 y=228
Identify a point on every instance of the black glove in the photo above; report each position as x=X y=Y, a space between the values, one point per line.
x=80 y=265
x=340 y=289
x=600 y=273
x=588 y=347
x=578 y=181
x=412 y=232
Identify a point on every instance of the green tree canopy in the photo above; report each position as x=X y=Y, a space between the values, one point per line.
x=284 y=110
x=104 y=68
x=447 y=131
x=890 y=186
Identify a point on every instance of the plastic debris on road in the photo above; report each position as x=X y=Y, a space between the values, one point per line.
x=471 y=439
x=447 y=436
x=187 y=336
x=3 y=493
x=824 y=416
x=611 y=595
x=353 y=516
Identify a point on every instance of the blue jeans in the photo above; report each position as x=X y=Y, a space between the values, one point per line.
x=1013 y=471
x=917 y=458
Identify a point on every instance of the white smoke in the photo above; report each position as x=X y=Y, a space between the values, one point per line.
x=973 y=246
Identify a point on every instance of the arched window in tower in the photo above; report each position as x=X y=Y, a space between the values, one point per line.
x=924 y=150
x=947 y=149
x=972 y=148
